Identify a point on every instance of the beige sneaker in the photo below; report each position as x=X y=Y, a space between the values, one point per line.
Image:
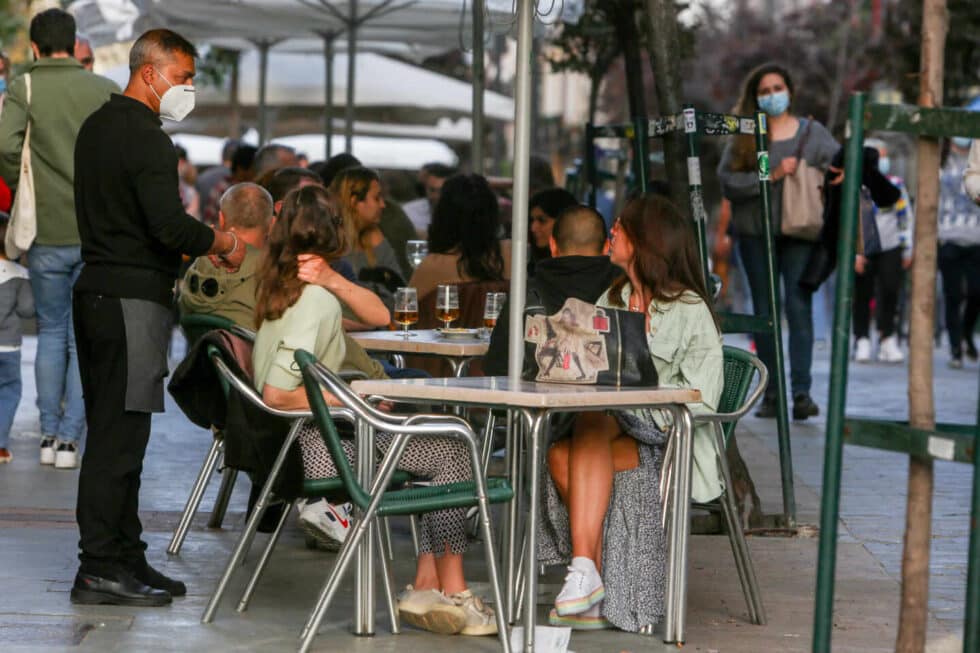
x=430 y=610
x=480 y=619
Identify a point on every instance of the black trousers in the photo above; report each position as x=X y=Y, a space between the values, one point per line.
x=960 y=267
x=882 y=279
x=109 y=479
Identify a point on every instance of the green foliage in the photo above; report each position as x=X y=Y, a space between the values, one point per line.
x=214 y=66
x=12 y=21
x=899 y=52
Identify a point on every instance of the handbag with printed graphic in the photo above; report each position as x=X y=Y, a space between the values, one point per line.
x=587 y=344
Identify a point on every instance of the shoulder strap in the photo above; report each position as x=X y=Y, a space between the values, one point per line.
x=27 y=131
x=803 y=138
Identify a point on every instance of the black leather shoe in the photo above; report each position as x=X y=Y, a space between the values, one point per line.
x=804 y=407
x=767 y=408
x=153 y=578
x=124 y=589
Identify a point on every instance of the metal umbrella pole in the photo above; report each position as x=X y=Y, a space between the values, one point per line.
x=351 y=63
x=328 y=52
x=263 y=84
x=479 y=83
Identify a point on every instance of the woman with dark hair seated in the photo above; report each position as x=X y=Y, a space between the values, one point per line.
x=463 y=239
x=544 y=208
x=292 y=314
x=603 y=504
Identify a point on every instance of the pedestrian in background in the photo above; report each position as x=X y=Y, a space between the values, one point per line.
x=62 y=95
x=16 y=304
x=959 y=253
x=769 y=88
x=881 y=268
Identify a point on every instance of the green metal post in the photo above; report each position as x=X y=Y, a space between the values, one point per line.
x=775 y=315
x=830 y=503
x=698 y=214
x=641 y=154
x=590 y=163
x=971 y=631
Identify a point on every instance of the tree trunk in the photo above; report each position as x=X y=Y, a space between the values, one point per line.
x=624 y=23
x=914 y=616
x=665 y=55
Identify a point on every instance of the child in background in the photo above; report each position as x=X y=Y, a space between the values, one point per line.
x=16 y=302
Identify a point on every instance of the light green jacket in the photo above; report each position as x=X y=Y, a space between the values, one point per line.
x=63 y=95
x=686 y=350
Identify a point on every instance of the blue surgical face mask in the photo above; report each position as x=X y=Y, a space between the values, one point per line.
x=962 y=141
x=774 y=104
x=884 y=165
x=3 y=85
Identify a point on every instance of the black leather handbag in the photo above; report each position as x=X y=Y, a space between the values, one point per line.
x=587 y=344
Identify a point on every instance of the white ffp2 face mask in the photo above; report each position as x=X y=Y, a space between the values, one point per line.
x=177 y=101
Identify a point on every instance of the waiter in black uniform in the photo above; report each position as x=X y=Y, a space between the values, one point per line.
x=134 y=231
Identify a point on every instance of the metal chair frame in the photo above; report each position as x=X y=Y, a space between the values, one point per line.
x=736 y=535
x=215 y=455
x=422 y=425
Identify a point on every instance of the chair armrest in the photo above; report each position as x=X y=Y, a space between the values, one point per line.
x=746 y=405
x=352 y=375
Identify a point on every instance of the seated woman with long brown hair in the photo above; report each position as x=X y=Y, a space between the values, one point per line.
x=603 y=505
x=291 y=315
x=464 y=243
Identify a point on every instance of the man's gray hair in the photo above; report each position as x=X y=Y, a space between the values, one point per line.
x=246 y=206
x=268 y=158
x=158 y=46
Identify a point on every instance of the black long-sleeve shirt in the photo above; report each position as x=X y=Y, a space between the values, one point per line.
x=132 y=224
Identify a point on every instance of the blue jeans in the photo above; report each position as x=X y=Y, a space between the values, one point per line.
x=59 y=387
x=9 y=392
x=791 y=258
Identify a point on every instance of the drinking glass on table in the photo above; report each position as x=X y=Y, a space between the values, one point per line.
x=447 y=304
x=406 y=309
x=491 y=310
x=416 y=250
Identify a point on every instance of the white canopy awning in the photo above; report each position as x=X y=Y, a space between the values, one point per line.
x=297 y=80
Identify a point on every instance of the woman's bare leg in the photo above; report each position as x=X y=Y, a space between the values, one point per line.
x=594 y=458
x=444 y=573
x=426 y=574
x=558 y=466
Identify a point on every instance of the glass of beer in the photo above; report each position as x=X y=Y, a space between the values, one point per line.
x=447 y=304
x=491 y=310
x=406 y=309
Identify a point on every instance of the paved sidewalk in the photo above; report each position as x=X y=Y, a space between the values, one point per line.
x=38 y=542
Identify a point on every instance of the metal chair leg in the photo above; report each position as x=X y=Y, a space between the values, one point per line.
x=386 y=577
x=194 y=500
x=492 y=571
x=385 y=533
x=740 y=548
x=228 y=478
x=413 y=525
x=264 y=559
x=245 y=540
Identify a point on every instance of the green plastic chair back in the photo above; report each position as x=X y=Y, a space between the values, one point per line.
x=739 y=371
x=195 y=325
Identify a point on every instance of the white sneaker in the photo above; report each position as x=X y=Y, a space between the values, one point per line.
x=66 y=455
x=480 y=620
x=48 y=443
x=326 y=523
x=431 y=610
x=583 y=588
x=889 y=351
x=862 y=350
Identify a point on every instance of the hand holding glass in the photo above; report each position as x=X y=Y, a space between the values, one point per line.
x=447 y=304
x=406 y=309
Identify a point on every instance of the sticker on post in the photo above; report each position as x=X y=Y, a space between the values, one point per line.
x=763 y=160
x=693 y=171
x=690 y=122
x=761 y=117
x=746 y=126
x=942 y=448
